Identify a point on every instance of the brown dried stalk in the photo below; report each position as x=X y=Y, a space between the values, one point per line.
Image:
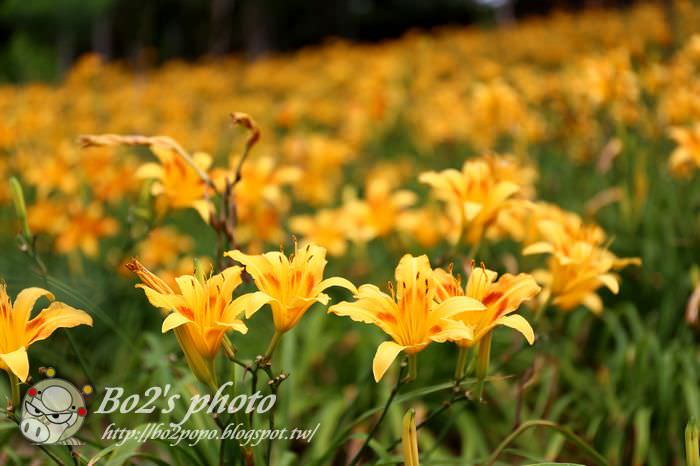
x=223 y=223
x=104 y=140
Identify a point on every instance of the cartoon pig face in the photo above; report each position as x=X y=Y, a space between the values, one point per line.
x=53 y=410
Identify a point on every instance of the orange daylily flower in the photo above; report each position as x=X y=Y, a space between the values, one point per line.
x=84 y=227
x=200 y=312
x=501 y=297
x=178 y=183
x=18 y=331
x=474 y=197
x=686 y=155
x=578 y=265
x=411 y=316
x=290 y=285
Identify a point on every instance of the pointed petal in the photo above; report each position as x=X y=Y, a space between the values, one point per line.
x=57 y=315
x=164 y=301
x=322 y=298
x=24 y=303
x=456 y=305
x=204 y=208
x=336 y=281
x=450 y=330
x=17 y=362
x=356 y=311
x=173 y=320
x=610 y=281
x=372 y=307
x=538 y=248
x=260 y=268
x=236 y=325
x=149 y=170
x=519 y=323
x=593 y=302
x=256 y=301
x=385 y=355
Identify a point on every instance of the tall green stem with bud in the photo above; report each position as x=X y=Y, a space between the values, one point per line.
x=692 y=452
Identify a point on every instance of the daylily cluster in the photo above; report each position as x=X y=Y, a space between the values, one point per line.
x=429 y=305
x=201 y=310
x=426 y=305
x=579 y=263
x=446 y=88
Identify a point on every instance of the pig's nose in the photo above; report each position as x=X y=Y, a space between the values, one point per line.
x=35 y=430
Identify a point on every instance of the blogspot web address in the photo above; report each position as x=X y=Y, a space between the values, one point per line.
x=175 y=435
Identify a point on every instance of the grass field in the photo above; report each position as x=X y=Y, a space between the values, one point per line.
x=561 y=153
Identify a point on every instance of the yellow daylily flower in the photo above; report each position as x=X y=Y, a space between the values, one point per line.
x=200 y=312
x=18 y=331
x=686 y=155
x=474 y=197
x=177 y=183
x=501 y=298
x=578 y=265
x=290 y=285
x=411 y=316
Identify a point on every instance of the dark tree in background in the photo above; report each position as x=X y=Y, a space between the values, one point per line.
x=39 y=39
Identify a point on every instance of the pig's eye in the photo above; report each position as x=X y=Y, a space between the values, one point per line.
x=33 y=410
x=58 y=418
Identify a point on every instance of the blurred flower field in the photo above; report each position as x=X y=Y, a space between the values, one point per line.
x=468 y=246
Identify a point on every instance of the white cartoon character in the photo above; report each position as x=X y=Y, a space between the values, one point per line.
x=53 y=410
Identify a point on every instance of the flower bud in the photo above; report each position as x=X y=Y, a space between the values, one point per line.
x=692 y=454
x=409 y=439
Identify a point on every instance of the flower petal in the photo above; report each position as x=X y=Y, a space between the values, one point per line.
x=164 y=301
x=519 y=323
x=173 y=320
x=57 y=315
x=256 y=301
x=236 y=325
x=24 y=303
x=385 y=355
x=610 y=281
x=17 y=362
x=456 y=305
x=450 y=330
x=541 y=247
x=336 y=281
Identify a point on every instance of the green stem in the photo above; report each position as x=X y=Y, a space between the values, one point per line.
x=482 y=363
x=541 y=309
x=598 y=459
x=412 y=368
x=692 y=453
x=14 y=390
x=461 y=364
x=273 y=345
x=389 y=400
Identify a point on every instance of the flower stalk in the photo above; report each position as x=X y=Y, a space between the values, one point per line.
x=412 y=368
x=692 y=451
x=460 y=368
x=274 y=342
x=482 y=361
x=14 y=397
